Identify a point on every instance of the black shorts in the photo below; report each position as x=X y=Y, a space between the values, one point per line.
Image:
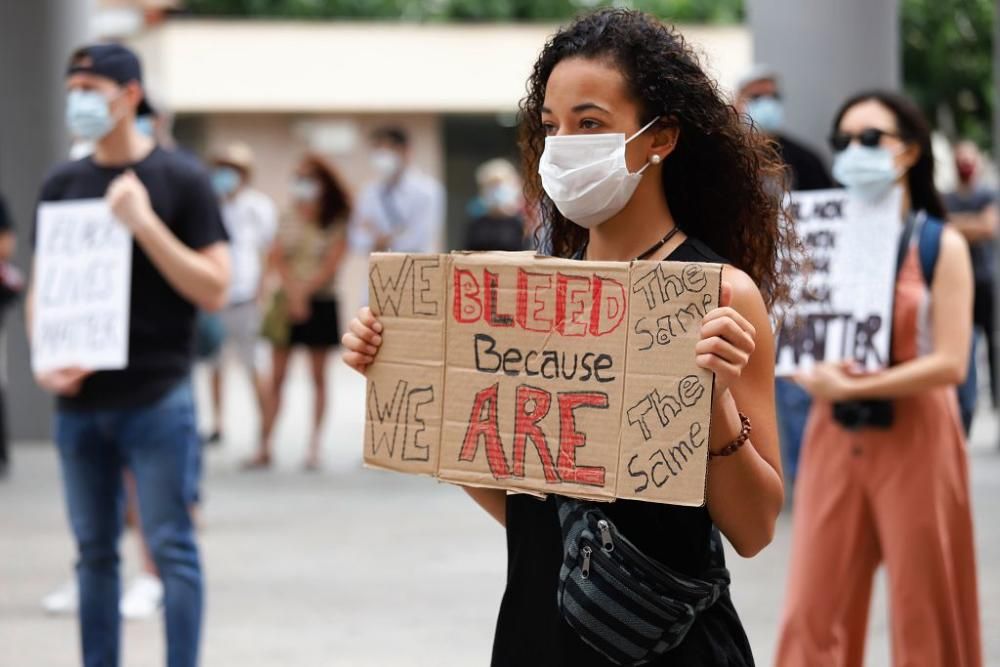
x=322 y=329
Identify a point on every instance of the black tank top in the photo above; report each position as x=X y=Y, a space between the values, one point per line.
x=530 y=630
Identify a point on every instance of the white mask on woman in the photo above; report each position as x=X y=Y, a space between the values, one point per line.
x=586 y=177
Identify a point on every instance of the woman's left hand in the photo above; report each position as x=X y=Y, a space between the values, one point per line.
x=727 y=341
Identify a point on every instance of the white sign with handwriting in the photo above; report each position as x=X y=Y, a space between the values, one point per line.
x=842 y=303
x=83 y=274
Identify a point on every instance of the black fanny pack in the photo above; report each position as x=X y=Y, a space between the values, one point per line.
x=625 y=605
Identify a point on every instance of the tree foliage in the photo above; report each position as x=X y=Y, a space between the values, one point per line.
x=697 y=11
x=948 y=63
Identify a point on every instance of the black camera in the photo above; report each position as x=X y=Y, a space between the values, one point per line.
x=858 y=415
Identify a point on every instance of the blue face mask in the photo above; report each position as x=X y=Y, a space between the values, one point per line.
x=88 y=115
x=868 y=172
x=305 y=190
x=225 y=180
x=145 y=125
x=767 y=113
x=502 y=196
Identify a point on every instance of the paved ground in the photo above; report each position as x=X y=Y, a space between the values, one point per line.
x=352 y=567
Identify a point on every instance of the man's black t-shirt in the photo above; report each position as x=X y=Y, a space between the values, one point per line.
x=807 y=170
x=982 y=252
x=161 y=328
x=502 y=232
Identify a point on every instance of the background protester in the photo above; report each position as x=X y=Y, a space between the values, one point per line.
x=142 y=417
x=11 y=285
x=895 y=490
x=972 y=210
x=251 y=221
x=759 y=98
x=143 y=596
x=497 y=221
x=306 y=255
x=403 y=209
x=629 y=169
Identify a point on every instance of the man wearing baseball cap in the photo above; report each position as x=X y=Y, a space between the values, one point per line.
x=142 y=417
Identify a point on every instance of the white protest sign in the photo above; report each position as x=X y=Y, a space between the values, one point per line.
x=842 y=304
x=83 y=273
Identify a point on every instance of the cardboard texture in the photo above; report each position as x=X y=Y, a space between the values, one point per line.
x=664 y=441
x=842 y=304
x=517 y=372
x=405 y=391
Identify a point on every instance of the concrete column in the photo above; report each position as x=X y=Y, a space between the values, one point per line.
x=826 y=50
x=36 y=38
x=996 y=83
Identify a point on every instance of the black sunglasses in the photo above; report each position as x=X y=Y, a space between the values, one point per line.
x=870 y=137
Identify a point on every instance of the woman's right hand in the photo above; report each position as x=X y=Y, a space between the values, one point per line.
x=362 y=340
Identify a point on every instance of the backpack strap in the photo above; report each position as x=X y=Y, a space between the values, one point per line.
x=929 y=247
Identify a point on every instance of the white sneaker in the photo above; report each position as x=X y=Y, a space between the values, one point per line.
x=63 y=600
x=143 y=597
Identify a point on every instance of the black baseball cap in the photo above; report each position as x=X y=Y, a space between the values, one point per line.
x=112 y=61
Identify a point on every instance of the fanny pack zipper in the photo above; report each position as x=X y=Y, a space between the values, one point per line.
x=647 y=570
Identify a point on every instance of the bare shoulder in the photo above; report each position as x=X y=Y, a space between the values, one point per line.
x=954 y=265
x=952 y=240
x=747 y=299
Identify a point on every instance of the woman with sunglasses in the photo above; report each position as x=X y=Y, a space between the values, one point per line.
x=631 y=152
x=898 y=493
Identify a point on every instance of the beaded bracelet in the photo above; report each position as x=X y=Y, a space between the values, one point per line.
x=740 y=440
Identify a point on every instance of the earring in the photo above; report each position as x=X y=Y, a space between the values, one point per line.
x=655 y=159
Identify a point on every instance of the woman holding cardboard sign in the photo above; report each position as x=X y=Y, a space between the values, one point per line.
x=634 y=154
x=884 y=473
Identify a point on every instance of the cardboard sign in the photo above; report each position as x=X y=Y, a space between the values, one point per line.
x=406 y=387
x=536 y=369
x=542 y=375
x=668 y=398
x=842 y=303
x=83 y=273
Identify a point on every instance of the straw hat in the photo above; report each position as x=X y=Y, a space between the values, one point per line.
x=236 y=154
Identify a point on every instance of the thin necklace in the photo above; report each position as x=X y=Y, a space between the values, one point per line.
x=653 y=248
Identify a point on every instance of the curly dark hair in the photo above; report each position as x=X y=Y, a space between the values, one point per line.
x=335 y=201
x=913 y=128
x=724 y=183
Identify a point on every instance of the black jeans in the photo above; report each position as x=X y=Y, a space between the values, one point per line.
x=983 y=317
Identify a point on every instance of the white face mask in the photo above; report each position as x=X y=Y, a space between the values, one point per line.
x=586 y=177
x=386 y=162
